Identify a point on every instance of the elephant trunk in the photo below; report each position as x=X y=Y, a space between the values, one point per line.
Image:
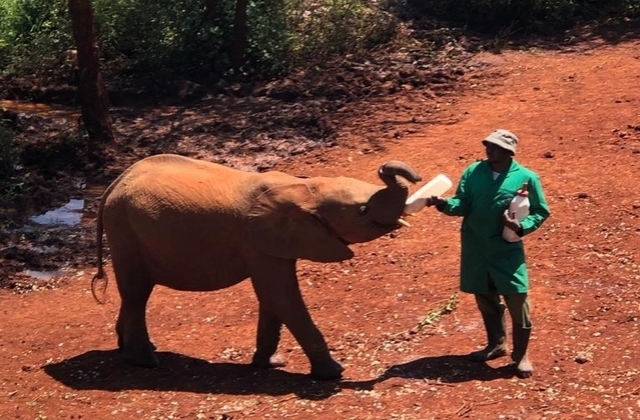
x=388 y=203
x=388 y=172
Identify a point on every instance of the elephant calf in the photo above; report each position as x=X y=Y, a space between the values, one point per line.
x=194 y=225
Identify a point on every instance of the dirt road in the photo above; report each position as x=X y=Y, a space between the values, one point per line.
x=577 y=114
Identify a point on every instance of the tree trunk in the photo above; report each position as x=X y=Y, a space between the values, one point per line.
x=239 y=34
x=92 y=92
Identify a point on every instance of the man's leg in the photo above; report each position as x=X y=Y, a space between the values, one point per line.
x=492 y=311
x=518 y=305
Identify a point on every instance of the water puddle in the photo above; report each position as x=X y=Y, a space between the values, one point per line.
x=43 y=275
x=68 y=215
x=45 y=249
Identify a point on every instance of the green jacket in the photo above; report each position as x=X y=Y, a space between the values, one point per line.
x=481 y=201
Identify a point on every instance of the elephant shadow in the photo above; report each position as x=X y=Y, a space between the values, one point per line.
x=448 y=369
x=103 y=370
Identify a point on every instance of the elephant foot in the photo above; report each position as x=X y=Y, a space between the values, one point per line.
x=145 y=362
x=274 y=361
x=327 y=370
x=121 y=345
x=142 y=358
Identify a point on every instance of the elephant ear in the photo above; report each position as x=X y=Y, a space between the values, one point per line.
x=282 y=223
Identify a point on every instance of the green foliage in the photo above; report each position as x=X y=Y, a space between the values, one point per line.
x=537 y=16
x=166 y=37
x=321 y=29
x=33 y=34
x=268 y=37
x=156 y=34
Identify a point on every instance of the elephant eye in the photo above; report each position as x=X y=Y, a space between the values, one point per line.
x=362 y=210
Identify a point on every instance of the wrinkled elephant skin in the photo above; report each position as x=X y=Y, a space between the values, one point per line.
x=197 y=226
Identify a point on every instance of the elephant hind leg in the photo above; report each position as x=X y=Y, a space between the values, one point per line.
x=135 y=288
x=268 y=337
x=120 y=334
x=133 y=336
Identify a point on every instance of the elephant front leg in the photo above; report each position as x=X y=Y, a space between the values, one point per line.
x=268 y=337
x=276 y=286
x=323 y=366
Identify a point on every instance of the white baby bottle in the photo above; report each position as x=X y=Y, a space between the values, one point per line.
x=437 y=186
x=519 y=207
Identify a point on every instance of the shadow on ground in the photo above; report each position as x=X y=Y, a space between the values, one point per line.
x=103 y=370
x=448 y=369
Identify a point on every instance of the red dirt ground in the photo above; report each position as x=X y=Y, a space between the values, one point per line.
x=577 y=113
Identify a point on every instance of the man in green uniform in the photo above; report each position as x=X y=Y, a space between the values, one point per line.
x=492 y=267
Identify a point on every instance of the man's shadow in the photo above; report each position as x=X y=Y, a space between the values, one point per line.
x=449 y=369
x=103 y=370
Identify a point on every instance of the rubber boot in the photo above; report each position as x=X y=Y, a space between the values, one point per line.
x=495 y=325
x=524 y=368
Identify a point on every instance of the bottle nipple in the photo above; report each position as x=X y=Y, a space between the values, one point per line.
x=524 y=190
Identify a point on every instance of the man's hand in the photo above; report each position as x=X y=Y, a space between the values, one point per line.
x=510 y=221
x=435 y=200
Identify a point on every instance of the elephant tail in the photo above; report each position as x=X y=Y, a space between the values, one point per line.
x=100 y=275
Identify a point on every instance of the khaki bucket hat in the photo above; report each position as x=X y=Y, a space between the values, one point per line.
x=503 y=138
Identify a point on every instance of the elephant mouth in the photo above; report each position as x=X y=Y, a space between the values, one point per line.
x=387 y=227
x=392 y=226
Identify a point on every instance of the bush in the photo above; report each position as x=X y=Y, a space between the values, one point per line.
x=34 y=34
x=167 y=38
x=170 y=37
x=323 y=29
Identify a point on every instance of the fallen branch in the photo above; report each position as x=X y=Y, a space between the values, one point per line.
x=435 y=315
x=467 y=407
x=280 y=401
x=630 y=393
x=488 y=403
x=464 y=409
